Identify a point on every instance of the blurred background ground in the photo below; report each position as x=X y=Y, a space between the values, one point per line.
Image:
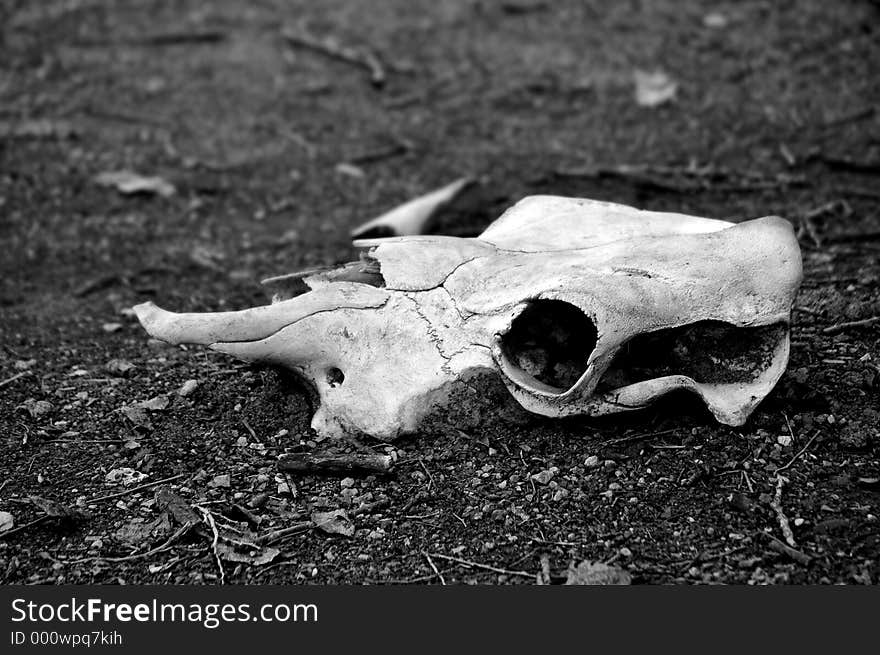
x=274 y=152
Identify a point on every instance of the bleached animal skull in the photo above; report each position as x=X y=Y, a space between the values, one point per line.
x=581 y=307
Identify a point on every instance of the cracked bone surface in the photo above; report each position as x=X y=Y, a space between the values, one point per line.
x=579 y=307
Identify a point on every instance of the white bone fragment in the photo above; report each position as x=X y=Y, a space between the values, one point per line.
x=412 y=217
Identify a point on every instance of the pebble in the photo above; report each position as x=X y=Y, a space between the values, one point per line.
x=347 y=483
x=591 y=462
x=258 y=500
x=111 y=327
x=187 y=388
x=543 y=477
x=224 y=481
x=241 y=442
x=625 y=552
x=784 y=440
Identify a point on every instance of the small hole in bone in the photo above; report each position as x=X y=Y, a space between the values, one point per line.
x=708 y=351
x=335 y=377
x=550 y=341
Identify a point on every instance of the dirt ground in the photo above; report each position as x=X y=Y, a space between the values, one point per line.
x=276 y=151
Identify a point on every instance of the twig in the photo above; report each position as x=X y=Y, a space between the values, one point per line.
x=434 y=567
x=428 y=473
x=635 y=437
x=485 y=567
x=785 y=549
x=3 y=535
x=277 y=535
x=840 y=327
x=857 y=115
x=138 y=488
x=330 y=48
x=776 y=504
x=799 y=453
x=155 y=551
x=208 y=518
x=15 y=377
x=310 y=463
x=249 y=429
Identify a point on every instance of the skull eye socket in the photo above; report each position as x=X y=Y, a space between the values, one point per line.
x=707 y=351
x=549 y=343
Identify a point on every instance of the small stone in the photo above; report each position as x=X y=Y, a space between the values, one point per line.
x=625 y=552
x=784 y=440
x=614 y=486
x=258 y=500
x=187 y=388
x=560 y=494
x=241 y=442
x=346 y=483
x=591 y=462
x=223 y=481
x=798 y=522
x=119 y=367
x=543 y=477
x=283 y=489
x=111 y=327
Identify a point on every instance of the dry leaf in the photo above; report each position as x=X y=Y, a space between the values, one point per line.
x=129 y=183
x=257 y=557
x=654 y=89
x=412 y=217
x=335 y=522
x=36 y=408
x=56 y=510
x=138 y=415
x=6 y=522
x=119 y=367
x=155 y=404
x=178 y=507
x=596 y=573
x=125 y=476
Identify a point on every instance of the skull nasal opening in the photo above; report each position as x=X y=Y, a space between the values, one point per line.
x=549 y=343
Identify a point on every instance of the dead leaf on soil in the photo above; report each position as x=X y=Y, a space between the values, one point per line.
x=119 y=367
x=138 y=415
x=257 y=557
x=125 y=476
x=7 y=522
x=335 y=522
x=596 y=573
x=36 y=408
x=178 y=507
x=139 y=531
x=156 y=404
x=654 y=89
x=129 y=183
x=57 y=510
